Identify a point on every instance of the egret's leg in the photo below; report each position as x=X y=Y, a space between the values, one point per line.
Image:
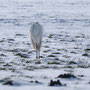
x=37 y=54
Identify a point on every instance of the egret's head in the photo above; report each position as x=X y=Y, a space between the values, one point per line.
x=37 y=22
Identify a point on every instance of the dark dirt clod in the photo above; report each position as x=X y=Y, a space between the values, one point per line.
x=56 y=53
x=88 y=49
x=81 y=75
x=51 y=56
x=22 y=55
x=10 y=40
x=37 y=82
x=8 y=83
x=55 y=83
x=2 y=54
x=11 y=83
x=84 y=54
x=66 y=76
x=19 y=35
x=72 y=62
x=51 y=36
x=38 y=62
x=54 y=62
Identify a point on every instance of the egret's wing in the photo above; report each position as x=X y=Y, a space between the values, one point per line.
x=34 y=45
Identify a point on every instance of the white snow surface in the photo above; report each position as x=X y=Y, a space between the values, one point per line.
x=65 y=45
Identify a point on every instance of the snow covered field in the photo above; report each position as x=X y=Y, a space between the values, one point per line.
x=65 y=53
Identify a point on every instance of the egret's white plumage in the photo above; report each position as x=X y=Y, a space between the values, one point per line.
x=36 y=33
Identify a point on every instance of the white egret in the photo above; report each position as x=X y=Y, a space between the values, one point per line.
x=36 y=33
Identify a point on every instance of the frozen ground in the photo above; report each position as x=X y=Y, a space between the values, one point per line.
x=65 y=49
